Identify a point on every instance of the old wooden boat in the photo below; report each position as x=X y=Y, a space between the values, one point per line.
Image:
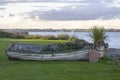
x=16 y=51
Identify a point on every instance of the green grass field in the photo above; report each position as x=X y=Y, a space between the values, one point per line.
x=52 y=70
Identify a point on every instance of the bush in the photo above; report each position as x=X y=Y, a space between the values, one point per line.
x=73 y=38
x=33 y=36
x=17 y=36
x=49 y=37
x=63 y=37
x=107 y=59
x=10 y=35
x=5 y=34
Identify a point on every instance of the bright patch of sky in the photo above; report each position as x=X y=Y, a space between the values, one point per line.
x=115 y=3
x=18 y=8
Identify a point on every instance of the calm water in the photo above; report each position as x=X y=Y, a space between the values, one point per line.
x=113 y=39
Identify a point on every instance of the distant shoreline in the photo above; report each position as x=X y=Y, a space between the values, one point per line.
x=55 y=30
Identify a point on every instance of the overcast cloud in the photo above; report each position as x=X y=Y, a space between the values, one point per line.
x=60 y=14
x=63 y=9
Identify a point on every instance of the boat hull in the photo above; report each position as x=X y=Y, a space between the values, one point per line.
x=78 y=55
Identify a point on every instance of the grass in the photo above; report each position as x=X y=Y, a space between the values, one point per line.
x=52 y=70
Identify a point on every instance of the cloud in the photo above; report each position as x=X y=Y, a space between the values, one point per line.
x=83 y=11
x=60 y=14
x=62 y=1
x=2 y=8
x=24 y=8
x=42 y=0
x=64 y=9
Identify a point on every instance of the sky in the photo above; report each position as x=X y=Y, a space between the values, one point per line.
x=59 y=14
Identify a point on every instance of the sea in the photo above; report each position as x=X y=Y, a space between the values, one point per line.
x=113 y=37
